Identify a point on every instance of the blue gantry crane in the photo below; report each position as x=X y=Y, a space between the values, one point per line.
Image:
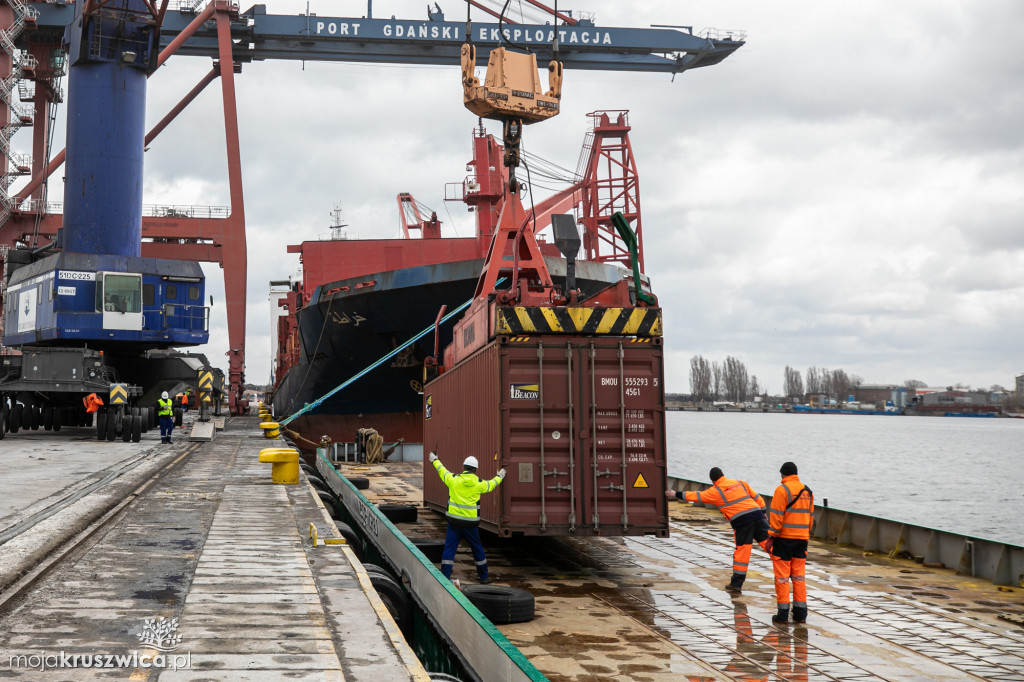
x=105 y=277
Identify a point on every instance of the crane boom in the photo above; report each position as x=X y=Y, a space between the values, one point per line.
x=260 y=36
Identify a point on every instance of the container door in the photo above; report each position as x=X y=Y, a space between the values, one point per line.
x=621 y=447
x=539 y=408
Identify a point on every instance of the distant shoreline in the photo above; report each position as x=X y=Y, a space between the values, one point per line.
x=909 y=412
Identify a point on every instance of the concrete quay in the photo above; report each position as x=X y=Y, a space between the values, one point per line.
x=179 y=562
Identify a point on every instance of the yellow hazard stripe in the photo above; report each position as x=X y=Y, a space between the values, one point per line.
x=525 y=323
x=580 y=316
x=611 y=315
x=635 y=318
x=634 y=322
x=553 y=323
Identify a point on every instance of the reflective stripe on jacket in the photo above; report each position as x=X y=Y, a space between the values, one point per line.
x=731 y=497
x=166 y=408
x=464 y=492
x=795 y=522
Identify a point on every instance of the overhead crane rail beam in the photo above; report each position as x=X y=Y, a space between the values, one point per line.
x=261 y=36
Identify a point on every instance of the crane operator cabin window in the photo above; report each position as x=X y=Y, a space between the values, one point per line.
x=120 y=293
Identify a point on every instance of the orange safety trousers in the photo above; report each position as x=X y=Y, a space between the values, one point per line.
x=786 y=571
x=741 y=556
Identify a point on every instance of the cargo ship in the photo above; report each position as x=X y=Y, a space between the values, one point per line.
x=358 y=300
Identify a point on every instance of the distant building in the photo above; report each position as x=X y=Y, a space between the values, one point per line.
x=1020 y=387
x=956 y=401
x=881 y=394
x=874 y=393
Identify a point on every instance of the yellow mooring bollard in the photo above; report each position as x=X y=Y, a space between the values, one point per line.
x=270 y=429
x=284 y=463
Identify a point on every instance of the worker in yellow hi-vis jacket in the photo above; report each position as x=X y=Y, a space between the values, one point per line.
x=463 y=514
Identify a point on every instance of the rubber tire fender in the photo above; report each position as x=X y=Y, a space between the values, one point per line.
x=178 y=416
x=432 y=548
x=329 y=500
x=443 y=677
x=310 y=471
x=374 y=568
x=101 y=426
x=318 y=483
x=351 y=538
x=399 y=513
x=501 y=604
x=359 y=482
x=394 y=598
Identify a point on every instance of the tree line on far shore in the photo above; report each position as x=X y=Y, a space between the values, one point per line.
x=730 y=381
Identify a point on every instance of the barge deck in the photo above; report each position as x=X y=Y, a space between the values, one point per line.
x=655 y=609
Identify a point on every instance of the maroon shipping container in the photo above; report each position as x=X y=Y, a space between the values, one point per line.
x=577 y=422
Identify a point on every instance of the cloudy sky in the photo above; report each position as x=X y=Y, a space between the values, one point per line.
x=846 y=191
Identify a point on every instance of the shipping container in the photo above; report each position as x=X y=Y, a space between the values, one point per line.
x=577 y=422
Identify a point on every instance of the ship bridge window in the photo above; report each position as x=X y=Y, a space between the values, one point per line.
x=193 y=293
x=172 y=291
x=39 y=294
x=148 y=294
x=120 y=293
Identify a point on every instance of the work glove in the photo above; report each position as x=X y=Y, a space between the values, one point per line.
x=768 y=544
x=501 y=474
x=433 y=457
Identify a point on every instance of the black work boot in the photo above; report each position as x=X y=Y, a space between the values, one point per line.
x=782 y=616
x=799 y=615
x=735 y=585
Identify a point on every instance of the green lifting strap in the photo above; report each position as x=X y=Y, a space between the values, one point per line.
x=628 y=236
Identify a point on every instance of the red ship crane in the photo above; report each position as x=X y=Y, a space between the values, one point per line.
x=410 y=217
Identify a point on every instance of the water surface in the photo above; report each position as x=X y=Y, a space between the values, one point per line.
x=960 y=474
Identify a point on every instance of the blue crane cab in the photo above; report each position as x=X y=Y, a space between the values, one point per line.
x=101 y=300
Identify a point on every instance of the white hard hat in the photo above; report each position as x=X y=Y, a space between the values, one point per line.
x=164 y=395
x=471 y=462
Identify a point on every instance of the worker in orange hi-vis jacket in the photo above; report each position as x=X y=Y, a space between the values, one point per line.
x=745 y=511
x=92 y=403
x=790 y=519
